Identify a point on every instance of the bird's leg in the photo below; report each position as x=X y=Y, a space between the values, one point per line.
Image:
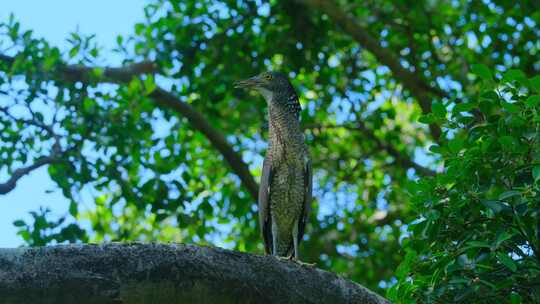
x=296 y=255
x=274 y=238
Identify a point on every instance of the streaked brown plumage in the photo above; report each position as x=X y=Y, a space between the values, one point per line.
x=286 y=183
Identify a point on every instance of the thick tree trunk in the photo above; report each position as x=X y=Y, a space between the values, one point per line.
x=160 y=273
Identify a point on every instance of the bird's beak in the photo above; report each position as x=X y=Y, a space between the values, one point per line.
x=249 y=83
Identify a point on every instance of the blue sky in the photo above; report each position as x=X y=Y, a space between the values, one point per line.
x=54 y=20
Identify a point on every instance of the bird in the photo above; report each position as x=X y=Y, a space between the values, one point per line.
x=285 y=191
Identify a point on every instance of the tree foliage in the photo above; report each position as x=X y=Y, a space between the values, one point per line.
x=169 y=151
x=476 y=239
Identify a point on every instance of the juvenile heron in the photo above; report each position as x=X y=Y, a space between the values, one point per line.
x=286 y=182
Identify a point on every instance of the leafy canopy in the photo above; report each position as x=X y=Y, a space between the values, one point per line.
x=165 y=149
x=476 y=239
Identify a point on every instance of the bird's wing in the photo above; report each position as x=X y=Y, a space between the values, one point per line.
x=265 y=221
x=306 y=207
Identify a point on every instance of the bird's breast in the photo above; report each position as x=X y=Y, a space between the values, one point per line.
x=287 y=192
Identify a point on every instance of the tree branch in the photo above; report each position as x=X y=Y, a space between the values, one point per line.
x=11 y=183
x=414 y=83
x=164 y=99
x=216 y=138
x=159 y=273
x=82 y=73
x=402 y=160
x=119 y=74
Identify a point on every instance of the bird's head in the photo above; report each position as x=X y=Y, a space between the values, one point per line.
x=269 y=85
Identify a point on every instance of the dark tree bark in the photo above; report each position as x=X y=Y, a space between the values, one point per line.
x=11 y=183
x=160 y=273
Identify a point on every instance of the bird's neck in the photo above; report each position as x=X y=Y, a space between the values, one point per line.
x=284 y=127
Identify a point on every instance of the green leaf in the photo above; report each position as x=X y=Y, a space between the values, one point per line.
x=88 y=104
x=433 y=215
x=74 y=51
x=403 y=270
x=435 y=149
x=456 y=144
x=19 y=223
x=134 y=86
x=478 y=244
x=532 y=101
x=510 y=107
x=490 y=95
x=536 y=173
x=438 y=109
x=25 y=234
x=459 y=280
x=48 y=63
x=496 y=206
x=503 y=237
x=139 y=27
x=535 y=83
x=515 y=75
x=506 y=261
x=149 y=84
x=73 y=208
x=464 y=107
x=14 y=31
x=94 y=52
x=508 y=194
x=427 y=119
x=522 y=208
x=507 y=141
x=482 y=71
x=98 y=72
x=515 y=298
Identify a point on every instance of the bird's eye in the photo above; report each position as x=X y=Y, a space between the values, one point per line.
x=268 y=77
